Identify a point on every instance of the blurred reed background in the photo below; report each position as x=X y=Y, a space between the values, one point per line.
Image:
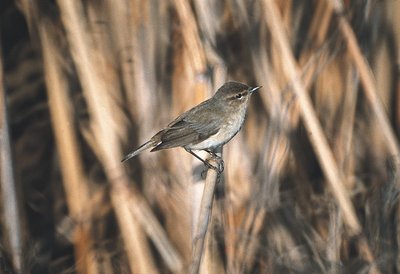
x=310 y=183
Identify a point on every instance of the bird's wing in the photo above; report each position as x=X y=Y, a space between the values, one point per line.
x=192 y=127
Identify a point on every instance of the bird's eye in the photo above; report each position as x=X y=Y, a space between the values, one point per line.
x=239 y=96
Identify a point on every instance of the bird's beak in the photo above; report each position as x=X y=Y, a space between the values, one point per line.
x=254 y=89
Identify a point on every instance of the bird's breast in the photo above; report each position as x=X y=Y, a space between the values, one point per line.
x=229 y=127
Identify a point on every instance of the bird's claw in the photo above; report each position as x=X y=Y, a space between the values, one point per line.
x=220 y=164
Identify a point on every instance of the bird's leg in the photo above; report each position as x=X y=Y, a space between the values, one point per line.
x=204 y=161
x=212 y=153
x=218 y=159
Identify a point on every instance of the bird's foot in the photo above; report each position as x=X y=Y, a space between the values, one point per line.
x=209 y=165
x=218 y=160
x=219 y=168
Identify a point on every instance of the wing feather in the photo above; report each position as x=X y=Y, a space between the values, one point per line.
x=192 y=127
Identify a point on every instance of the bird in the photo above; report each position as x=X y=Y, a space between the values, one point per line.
x=207 y=126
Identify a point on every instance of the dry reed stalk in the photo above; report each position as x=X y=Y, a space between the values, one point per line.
x=265 y=75
x=212 y=255
x=141 y=210
x=238 y=9
x=334 y=239
x=154 y=230
x=319 y=142
x=134 y=26
x=254 y=226
x=317 y=138
x=343 y=143
x=239 y=177
x=367 y=79
x=239 y=251
x=131 y=232
x=317 y=33
x=329 y=97
x=277 y=153
x=26 y=7
x=191 y=37
x=230 y=239
x=269 y=197
x=103 y=124
x=143 y=43
x=124 y=42
x=320 y=24
x=273 y=152
x=266 y=197
x=207 y=18
x=393 y=8
x=286 y=8
x=190 y=62
x=238 y=187
x=365 y=249
x=189 y=75
x=11 y=207
x=371 y=93
x=203 y=220
x=75 y=182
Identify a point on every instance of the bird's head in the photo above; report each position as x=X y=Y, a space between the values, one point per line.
x=234 y=93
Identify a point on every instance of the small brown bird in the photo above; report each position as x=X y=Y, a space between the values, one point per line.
x=207 y=126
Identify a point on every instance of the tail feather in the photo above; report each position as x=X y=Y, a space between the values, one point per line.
x=143 y=147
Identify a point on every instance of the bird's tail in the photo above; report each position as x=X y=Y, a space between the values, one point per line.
x=143 y=147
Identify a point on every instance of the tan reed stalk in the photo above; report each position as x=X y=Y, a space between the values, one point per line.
x=134 y=30
x=329 y=166
x=319 y=142
x=103 y=126
x=12 y=218
x=74 y=179
x=334 y=239
x=193 y=65
x=191 y=37
x=317 y=138
x=140 y=41
x=153 y=229
x=280 y=108
x=254 y=226
x=139 y=208
x=140 y=45
x=239 y=177
x=367 y=80
x=371 y=92
x=214 y=260
x=203 y=221
x=343 y=143
x=239 y=251
x=286 y=8
x=207 y=19
x=239 y=182
x=320 y=24
x=317 y=33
